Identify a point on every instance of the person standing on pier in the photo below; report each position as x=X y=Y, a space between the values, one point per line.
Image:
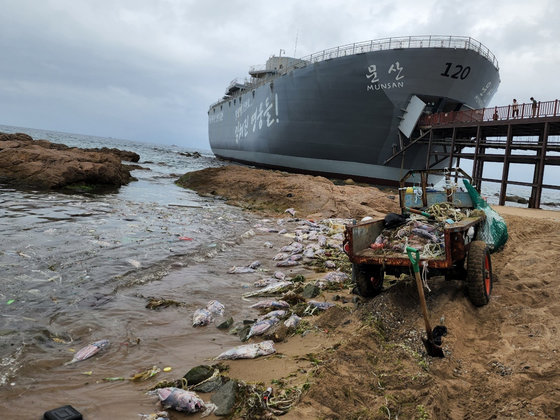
x=534 y=106
x=515 y=109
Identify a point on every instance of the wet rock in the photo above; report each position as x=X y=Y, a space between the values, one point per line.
x=25 y=162
x=244 y=332
x=210 y=385
x=224 y=398
x=198 y=374
x=310 y=291
x=224 y=324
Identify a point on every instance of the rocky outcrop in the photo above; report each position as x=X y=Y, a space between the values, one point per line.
x=25 y=162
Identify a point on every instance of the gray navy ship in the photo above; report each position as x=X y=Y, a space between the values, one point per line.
x=348 y=111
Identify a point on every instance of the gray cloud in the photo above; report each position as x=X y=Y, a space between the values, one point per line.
x=148 y=69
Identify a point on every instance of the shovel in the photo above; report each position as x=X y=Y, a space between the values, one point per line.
x=433 y=341
x=423 y=213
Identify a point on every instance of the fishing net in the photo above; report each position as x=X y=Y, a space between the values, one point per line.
x=494 y=229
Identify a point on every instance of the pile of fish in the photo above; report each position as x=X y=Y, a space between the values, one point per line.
x=425 y=235
x=310 y=241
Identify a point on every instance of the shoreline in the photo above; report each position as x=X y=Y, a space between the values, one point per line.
x=366 y=360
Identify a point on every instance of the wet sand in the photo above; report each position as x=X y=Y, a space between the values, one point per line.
x=501 y=360
x=361 y=360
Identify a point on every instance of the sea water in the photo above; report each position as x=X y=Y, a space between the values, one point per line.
x=76 y=268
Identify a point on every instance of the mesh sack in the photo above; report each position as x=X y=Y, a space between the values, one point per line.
x=494 y=229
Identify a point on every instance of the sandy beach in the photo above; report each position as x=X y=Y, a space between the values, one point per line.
x=365 y=360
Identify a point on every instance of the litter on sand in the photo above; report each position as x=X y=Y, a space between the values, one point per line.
x=249 y=351
x=146 y=374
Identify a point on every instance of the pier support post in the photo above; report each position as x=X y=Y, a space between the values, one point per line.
x=505 y=171
x=538 y=177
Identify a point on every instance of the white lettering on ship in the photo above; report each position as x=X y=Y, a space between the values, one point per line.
x=375 y=84
x=265 y=114
x=214 y=118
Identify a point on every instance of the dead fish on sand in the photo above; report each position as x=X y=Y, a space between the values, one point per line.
x=202 y=317
x=266 y=282
x=240 y=270
x=262 y=326
x=287 y=263
x=322 y=306
x=88 y=351
x=279 y=313
x=206 y=315
x=264 y=304
x=249 y=351
x=215 y=308
x=181 y=400
x=270 y=290
x=292 y=322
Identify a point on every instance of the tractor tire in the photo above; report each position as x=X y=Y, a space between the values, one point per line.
x=479 y=273
x=368 y=279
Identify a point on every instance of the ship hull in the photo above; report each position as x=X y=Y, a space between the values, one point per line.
x=341 y=116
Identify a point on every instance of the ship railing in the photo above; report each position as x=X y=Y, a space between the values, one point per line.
x=429 y=41
x=497 y=113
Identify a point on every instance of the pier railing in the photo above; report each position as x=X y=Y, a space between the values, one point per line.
x=497 y=113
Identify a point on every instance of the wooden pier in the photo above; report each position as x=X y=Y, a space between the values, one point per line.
x=534 y=132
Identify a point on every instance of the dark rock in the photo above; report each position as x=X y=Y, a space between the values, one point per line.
x=210 y=385
x=29 y=163
x=298 y=278
x=224 y=398
x=198 y=374
x=244 y=332
x=310 y=291
x=224 y=324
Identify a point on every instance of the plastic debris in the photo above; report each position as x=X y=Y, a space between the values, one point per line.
x=145 y=375
x=249 y=351
x=10 y=301
x=167 y=369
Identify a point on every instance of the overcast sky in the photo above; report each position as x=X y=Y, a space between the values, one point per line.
x=148 y=70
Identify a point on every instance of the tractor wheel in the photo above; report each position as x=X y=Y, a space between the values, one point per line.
x=479 y=273
x=368 y=279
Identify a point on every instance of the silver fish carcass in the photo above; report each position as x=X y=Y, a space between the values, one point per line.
x=89 y=350
x=249 y=351
x=180 y=400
